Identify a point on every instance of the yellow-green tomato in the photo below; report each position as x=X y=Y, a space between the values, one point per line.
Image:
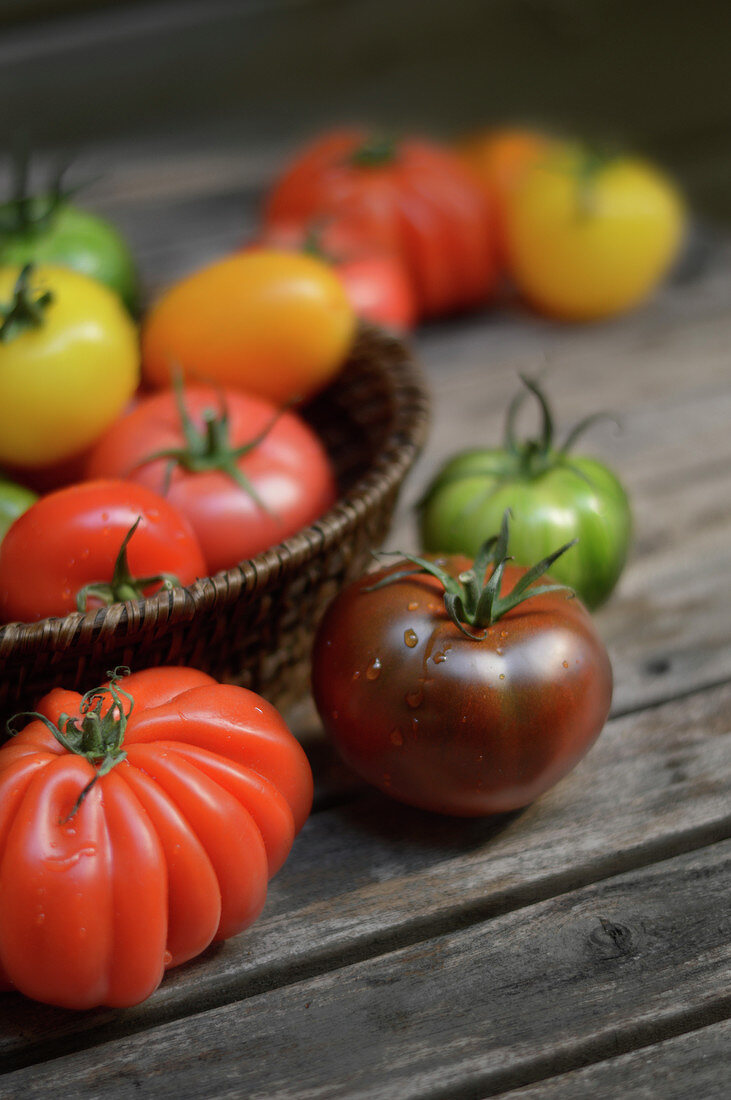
x=589 y=237
x=69 y=363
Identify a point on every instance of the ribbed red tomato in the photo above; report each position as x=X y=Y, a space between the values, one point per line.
x=142 y=829
x=245 y=475
x=411 y=195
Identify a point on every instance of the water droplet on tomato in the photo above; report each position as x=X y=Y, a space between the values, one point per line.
x=439 y=658
x=396 y=737
x=167 y=958
x=414 y=725
x=356 y=674
x=502 y=676
x=413 y=605
x=415 y=697
x=565 y=664
x=374 y=669
x=410 y=638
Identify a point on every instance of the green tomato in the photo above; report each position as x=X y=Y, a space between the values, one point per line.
x=14 y=500
x=49 y=230
x=554 y=497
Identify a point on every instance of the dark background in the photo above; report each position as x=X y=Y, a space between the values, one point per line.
x=134 y=78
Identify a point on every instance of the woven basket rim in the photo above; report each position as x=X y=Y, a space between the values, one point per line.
x=406 y=436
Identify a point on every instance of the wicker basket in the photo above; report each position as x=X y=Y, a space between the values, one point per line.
x=254 y=624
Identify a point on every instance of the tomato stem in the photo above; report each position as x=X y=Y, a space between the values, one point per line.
x=376 y=151
x=209 y=447
x=96 y=736
x=123 y=585
x=24 y=311
x=473 y=598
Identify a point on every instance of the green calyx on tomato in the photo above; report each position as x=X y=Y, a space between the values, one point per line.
x=554 y=497
x=375 y=152
x=209 y=448
x=27 y=308
x=98 y=736
x=123 y=585
x=48 y=229
x=473 y=598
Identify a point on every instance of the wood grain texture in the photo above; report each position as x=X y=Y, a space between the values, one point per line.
x=593 y=973
x=696 y=1064
x=371 y=875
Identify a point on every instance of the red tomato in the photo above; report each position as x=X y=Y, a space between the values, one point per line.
x=411 y=196
x=190 y=805
x=73 y=537
x=251 y=477
x=465 y=725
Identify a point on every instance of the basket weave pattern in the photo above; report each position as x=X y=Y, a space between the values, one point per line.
x=254 y=624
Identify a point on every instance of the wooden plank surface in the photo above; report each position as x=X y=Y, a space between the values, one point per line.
x=371 y=886
x=696 y=1064
x=508 y=1001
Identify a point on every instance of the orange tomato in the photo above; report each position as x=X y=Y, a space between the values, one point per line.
x=271 y=323
x=497 y=159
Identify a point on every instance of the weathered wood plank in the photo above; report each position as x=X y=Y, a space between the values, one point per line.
x=593 y=973
x=372 y=875
x=695 y=1064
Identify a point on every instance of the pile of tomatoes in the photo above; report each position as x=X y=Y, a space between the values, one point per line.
x=465 y=681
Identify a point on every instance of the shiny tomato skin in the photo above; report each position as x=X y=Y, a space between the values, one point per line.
x=411 y=196
x=289 y=470
x=267 y=322
x=159 y=859
x=449 y=724
x=579 y=498
x=65 y=381
x=71 y=538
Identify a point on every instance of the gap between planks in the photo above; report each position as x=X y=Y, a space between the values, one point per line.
x=570 y=981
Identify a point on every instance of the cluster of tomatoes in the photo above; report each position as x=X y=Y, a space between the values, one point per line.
x=418 y=230
x=465 y=684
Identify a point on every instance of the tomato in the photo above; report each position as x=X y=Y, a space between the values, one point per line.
x=554 y=496
x=271 y=323
x=137 y=824
x=375 y=279
x=450 y=699
x=590 y=237
x=498 y=159
x=412 y=196
x=91 y=544
x=14 y=500
x=69 y=363
x=245 y=475
x=48 y=229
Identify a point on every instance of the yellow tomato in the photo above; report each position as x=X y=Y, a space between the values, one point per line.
x=588 y=238
x=69 y=363
x=272 y=323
